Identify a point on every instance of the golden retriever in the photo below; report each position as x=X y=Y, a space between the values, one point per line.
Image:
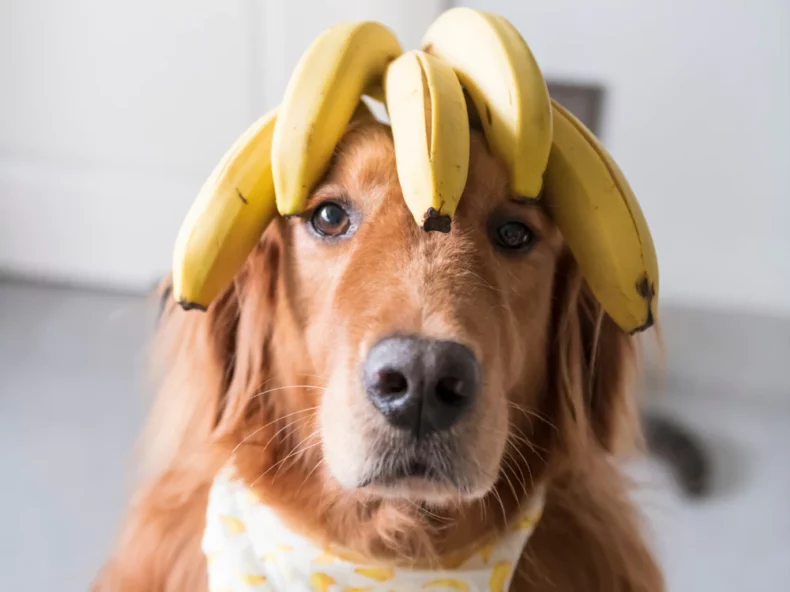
x=306 y=366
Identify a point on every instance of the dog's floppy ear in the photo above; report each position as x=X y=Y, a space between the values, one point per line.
x=610 y=363
x=206 y=362
x=594 y=364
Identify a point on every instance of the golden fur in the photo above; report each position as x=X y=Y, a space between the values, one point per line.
x=270 y=373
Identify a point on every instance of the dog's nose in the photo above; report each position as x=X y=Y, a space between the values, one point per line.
x=421 y=385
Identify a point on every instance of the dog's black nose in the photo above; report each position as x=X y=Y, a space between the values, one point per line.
x=421 y=385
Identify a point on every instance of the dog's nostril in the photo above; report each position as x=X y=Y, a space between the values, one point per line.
x=421 y=385
x=392 y=382
x=450 y=390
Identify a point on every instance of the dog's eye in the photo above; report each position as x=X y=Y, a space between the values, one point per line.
x=514 y=236
x=330 y=219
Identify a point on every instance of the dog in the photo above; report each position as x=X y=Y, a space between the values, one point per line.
x=398 y=393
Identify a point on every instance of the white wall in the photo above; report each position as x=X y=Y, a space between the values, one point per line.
x=112 y=114
x=697 y=114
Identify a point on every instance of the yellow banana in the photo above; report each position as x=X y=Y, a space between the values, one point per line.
x=320 y=98
x=380 y=574
x=497 y=69
x=454 y=584
x=499 y=577
x=430 y=128
x=252 y=579
x=321 y=582
x=591 y=202
x=232 y=524
x=233 y=208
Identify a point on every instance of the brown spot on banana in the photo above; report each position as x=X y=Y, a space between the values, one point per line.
x=647 y=291
x=186 y=305
x=435 y=220
x=241 y=197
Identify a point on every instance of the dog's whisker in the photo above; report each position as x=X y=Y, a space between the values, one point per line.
x=530 y=413
x=522 y=478
x=507 y=464
x=498 y=498
x=282 y=429
x=307 y=477
x=298 y=450
x=518 y=436
x=282 y=388
x=280 y=462
x=526 y=463
x=422 y=510
x=263 y=427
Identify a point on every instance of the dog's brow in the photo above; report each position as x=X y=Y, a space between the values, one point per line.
x=327 y=191
x=534 y=211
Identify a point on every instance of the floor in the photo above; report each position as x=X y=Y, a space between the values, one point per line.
x=72 y=401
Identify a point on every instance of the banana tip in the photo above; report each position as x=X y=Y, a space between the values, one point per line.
x=646 y=290
x=186 y=305
x=434 y=220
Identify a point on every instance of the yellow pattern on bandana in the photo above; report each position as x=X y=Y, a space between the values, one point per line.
x=248 y=549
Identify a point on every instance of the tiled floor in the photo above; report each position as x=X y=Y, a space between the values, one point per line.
x=71 y=404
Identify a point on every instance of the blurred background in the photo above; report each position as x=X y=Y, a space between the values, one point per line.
x=113 y=113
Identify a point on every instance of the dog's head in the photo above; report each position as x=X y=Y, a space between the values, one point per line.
x=362 y=355
x=426 y=343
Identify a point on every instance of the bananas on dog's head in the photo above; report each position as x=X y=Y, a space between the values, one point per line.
x=551 y=156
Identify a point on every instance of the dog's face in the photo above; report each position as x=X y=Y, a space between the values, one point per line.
x=427 y=345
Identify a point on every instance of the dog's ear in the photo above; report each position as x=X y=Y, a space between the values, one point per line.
x=205 y=363
x=594 y=365
x=610 y=368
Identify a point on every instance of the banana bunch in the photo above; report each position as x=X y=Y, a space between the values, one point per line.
x=466 y=54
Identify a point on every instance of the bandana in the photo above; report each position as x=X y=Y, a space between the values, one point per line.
x=248 y=549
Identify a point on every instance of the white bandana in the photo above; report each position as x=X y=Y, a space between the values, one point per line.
x=248 y=549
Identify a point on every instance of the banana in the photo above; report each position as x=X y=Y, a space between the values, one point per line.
x=497 y=69
x=430 y=129
x=252 y=579
x=232 y=209
x=591 y=202
x=451 y=583
x=324 y=89
x=500 y=576
x=321 y=582
x=380 y=574
x=233 y=525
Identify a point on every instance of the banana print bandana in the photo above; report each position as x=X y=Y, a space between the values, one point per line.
x=248 y=549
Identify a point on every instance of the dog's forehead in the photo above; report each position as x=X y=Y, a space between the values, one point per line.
x=364 y=158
